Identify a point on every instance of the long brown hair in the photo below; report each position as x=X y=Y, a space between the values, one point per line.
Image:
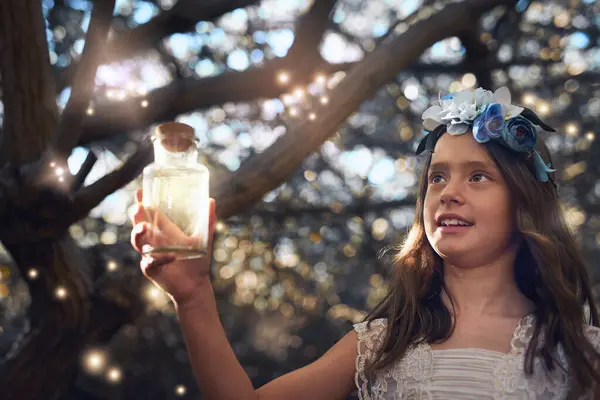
x=549 y=270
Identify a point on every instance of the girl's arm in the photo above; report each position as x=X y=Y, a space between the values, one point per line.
x=221 y=377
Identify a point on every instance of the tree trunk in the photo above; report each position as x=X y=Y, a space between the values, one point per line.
x=44 y=363
x=27 y=85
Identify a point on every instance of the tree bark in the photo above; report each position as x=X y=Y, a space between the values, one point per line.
x=30 y=112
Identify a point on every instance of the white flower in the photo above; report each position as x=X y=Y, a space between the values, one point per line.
x=459 y=110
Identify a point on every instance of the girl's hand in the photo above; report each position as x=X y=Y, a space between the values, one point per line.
x=181 y=279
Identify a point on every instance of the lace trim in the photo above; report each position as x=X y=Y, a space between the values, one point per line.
x=370 y=339
x=412 y=376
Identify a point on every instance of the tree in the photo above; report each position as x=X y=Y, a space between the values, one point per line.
x=36 y=209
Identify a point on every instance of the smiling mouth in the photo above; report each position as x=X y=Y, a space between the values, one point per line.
x=454 y=222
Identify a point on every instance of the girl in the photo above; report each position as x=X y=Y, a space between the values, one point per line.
x=488 y=289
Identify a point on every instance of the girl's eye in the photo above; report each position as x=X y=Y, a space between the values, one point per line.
x=435 y=178
x=479 y=178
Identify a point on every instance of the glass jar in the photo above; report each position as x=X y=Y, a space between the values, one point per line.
x=175 y=194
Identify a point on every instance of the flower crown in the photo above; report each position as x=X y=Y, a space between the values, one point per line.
x=491 y=117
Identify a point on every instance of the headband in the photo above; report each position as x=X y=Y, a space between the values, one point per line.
x=491 y=117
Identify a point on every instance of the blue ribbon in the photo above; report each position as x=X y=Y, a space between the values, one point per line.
x=541 y=169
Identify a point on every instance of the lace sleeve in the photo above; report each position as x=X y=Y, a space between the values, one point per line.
x=593 y=335
x=370 y=339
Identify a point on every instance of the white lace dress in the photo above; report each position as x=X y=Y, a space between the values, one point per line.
x=424 y=373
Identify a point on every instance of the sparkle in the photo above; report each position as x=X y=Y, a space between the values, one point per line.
x=324 y=100
x=299 y=92
x=288 y=99
x=312 y=116
x=543 y=108
x=112 y=265
x=52 y=164
x=590 y=136
x=60 y=292
x=293 y=112
x=59 y=171
x=180 y=390
x=32 y=273
x=90 y=111
x=144 y=103
x=155 y=297
x=94 y=361
x=283 y=77
x=320 y=79
x=529 y=99
x=114 y=375
x=572 y=129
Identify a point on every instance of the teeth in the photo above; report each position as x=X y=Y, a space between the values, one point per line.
x=449 y=222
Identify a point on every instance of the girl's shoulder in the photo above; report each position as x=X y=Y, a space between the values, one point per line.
x=370 y=334
x=371 y=328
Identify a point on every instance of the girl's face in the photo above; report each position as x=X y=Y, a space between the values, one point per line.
x=468 y=216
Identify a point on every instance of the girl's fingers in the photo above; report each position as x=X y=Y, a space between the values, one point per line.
x=157 y=219
x=152 y=227
x=138 y=234
x=145 y=234
x=150 y=264
x=138 y=195
x=141 y=214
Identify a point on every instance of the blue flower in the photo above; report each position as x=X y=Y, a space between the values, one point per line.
x=519 y=134
x=489 y=124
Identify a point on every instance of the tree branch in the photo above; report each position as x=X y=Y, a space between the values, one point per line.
x=69 y=129
x=181 y=18
x=183 y=96
x=477 y=54
x=90 y=196
x=351 y=209
x=268 y=169
x=111 y=120
x=84 y=171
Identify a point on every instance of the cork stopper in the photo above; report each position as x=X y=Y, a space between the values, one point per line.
x=175 y=136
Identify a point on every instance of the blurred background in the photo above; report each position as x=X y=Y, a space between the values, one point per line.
x=333 y=91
